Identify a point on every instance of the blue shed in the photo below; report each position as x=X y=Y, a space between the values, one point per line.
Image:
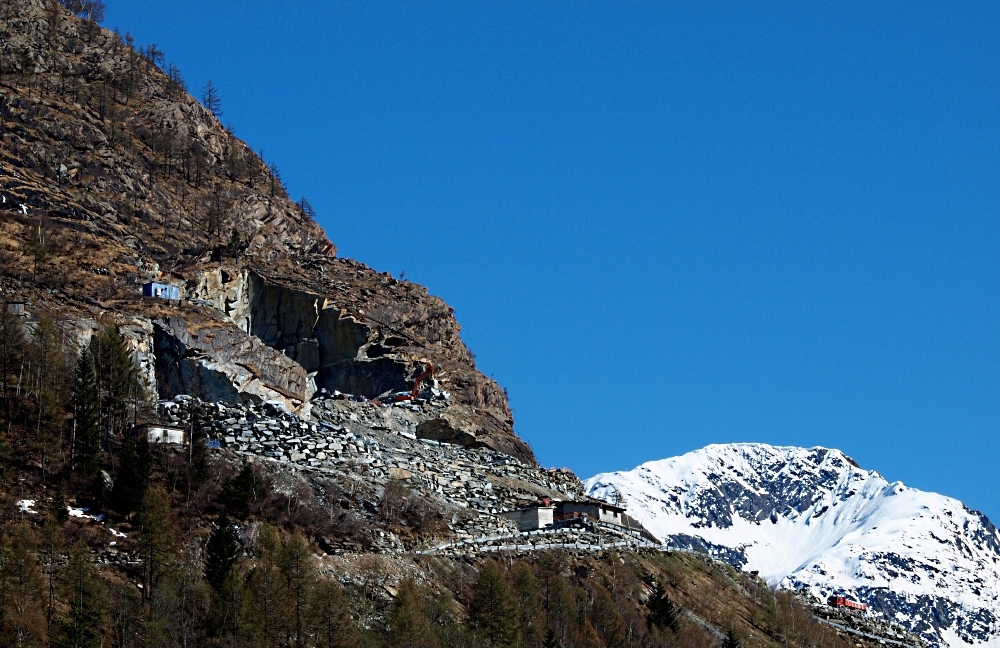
x=163 y=291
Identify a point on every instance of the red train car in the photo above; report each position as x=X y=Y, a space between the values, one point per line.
x=844 y=602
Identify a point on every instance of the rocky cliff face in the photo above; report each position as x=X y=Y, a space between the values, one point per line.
x=112 y=175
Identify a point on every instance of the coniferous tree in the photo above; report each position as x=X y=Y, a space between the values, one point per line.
x=221 y=551
x=607 y=620
x=11 y=353
x=526 y=596
x=50 y=550
x=59 y=510
x=85 y=596
x=156 y=539
x=48 y=375
x=408 y=626
x=267 y=589
x=135 y=466
x=586 y=636
x=242 y=491
x=560 y=605
x=86 y=446
x=662 y=611
x=551 y=640
x=121 y=388
x=307 y=208
x=334 y=628
x=211 y=100
x=492 y=610
x=23 y=612
x=295 y=564
x=731 y=640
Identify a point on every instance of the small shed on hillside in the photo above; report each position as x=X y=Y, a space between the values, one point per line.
x=165 y=434
x=16 y=308
x=594 y=509
x=531 y=518
x=160 y=290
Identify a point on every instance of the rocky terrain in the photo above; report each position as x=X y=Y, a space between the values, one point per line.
x=111 y=175
x=289 y=371
x=813 y=519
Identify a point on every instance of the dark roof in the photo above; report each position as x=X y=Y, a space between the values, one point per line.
x=590 y=501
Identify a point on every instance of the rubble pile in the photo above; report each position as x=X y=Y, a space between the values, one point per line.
x=377 y=442
x=587 y=538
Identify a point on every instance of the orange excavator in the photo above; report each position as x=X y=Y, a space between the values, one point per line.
x=426 y=374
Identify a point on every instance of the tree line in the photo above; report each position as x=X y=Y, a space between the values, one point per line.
x=213 y=554
x=117 y=89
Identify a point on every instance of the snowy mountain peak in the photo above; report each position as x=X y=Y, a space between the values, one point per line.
x=812 y=518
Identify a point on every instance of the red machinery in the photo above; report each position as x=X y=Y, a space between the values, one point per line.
x=844 y=602
x=426 y=374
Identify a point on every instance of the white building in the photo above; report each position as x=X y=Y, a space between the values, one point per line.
x=165 y=434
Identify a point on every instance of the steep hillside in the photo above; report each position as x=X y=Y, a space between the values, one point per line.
x=813 y=519
x=111 y=175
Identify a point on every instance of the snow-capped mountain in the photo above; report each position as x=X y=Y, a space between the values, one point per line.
x=812 y=518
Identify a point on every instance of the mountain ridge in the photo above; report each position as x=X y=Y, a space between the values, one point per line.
x=811 y=518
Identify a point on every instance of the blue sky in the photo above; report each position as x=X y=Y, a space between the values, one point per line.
x=661 y=225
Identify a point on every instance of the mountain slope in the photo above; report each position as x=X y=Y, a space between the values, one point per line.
x=812 y=518
x=112 y=175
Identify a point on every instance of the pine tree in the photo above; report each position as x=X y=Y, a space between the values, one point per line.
x=334 y=628
x=22 y=588
x=663 y=612
x=48 y=374
x=134 y=469
x=85 y=595
x=121 y=389
x=86 y=450
x=267 y=589
x=295 y=564
x=407 y=623
x=211 y=100
x=307 y=208
x=241 y=492
x=221 y=551
x=551 y=640
x=11 y=352
x=560 y=605
x=156 y=538
x=731 y=640
x=59 y=510
x=492 y=610
x=526 y=595
x=607 y=620
x=51 y=548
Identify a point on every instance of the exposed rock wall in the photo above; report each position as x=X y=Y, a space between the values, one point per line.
x=219 y=362
x=131 y=181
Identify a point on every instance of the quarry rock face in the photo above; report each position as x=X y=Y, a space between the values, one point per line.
x=220 y=362
x=139 y=183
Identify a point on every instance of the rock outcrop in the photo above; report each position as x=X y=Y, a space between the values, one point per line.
x=112 y=175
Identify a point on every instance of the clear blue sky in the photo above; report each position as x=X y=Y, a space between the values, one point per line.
x=661 y=225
